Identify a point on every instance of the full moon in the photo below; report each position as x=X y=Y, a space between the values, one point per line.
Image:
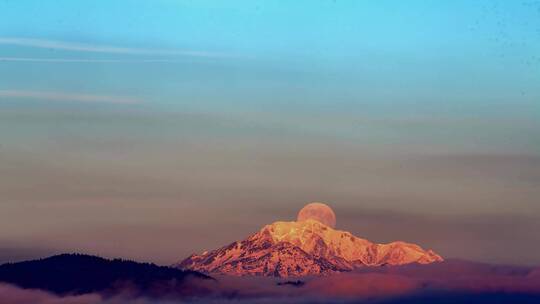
x=319 y=212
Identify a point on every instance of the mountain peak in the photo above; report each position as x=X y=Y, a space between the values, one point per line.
x=306 y=247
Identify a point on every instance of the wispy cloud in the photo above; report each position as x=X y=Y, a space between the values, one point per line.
x=95 y=48
x=84 y=60
x=65 y=96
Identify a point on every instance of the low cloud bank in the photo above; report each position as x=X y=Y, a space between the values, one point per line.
x=10 y=294
x=448 y=282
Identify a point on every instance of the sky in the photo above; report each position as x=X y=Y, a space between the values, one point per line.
x=155 y=129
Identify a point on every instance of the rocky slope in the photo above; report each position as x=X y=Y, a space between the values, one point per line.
x=285 y=249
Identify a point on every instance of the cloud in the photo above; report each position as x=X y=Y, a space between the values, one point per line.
x=64 y=96
x=94 y=48
x=13 y=295
x=83 y=60
x=353 y=285
x=450 y=282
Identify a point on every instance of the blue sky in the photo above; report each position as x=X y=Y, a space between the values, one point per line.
x=362 y=53
x=424 y=110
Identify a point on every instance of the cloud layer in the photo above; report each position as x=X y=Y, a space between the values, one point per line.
x=65 y=96
x=448 y=282
x=94 y=48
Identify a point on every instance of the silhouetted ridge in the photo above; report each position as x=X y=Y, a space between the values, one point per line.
x=296 y=283
x=79 y=273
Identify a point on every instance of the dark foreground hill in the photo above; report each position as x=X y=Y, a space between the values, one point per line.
x=81 y=274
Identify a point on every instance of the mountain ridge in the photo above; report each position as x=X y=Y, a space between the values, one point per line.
x=301 y=248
